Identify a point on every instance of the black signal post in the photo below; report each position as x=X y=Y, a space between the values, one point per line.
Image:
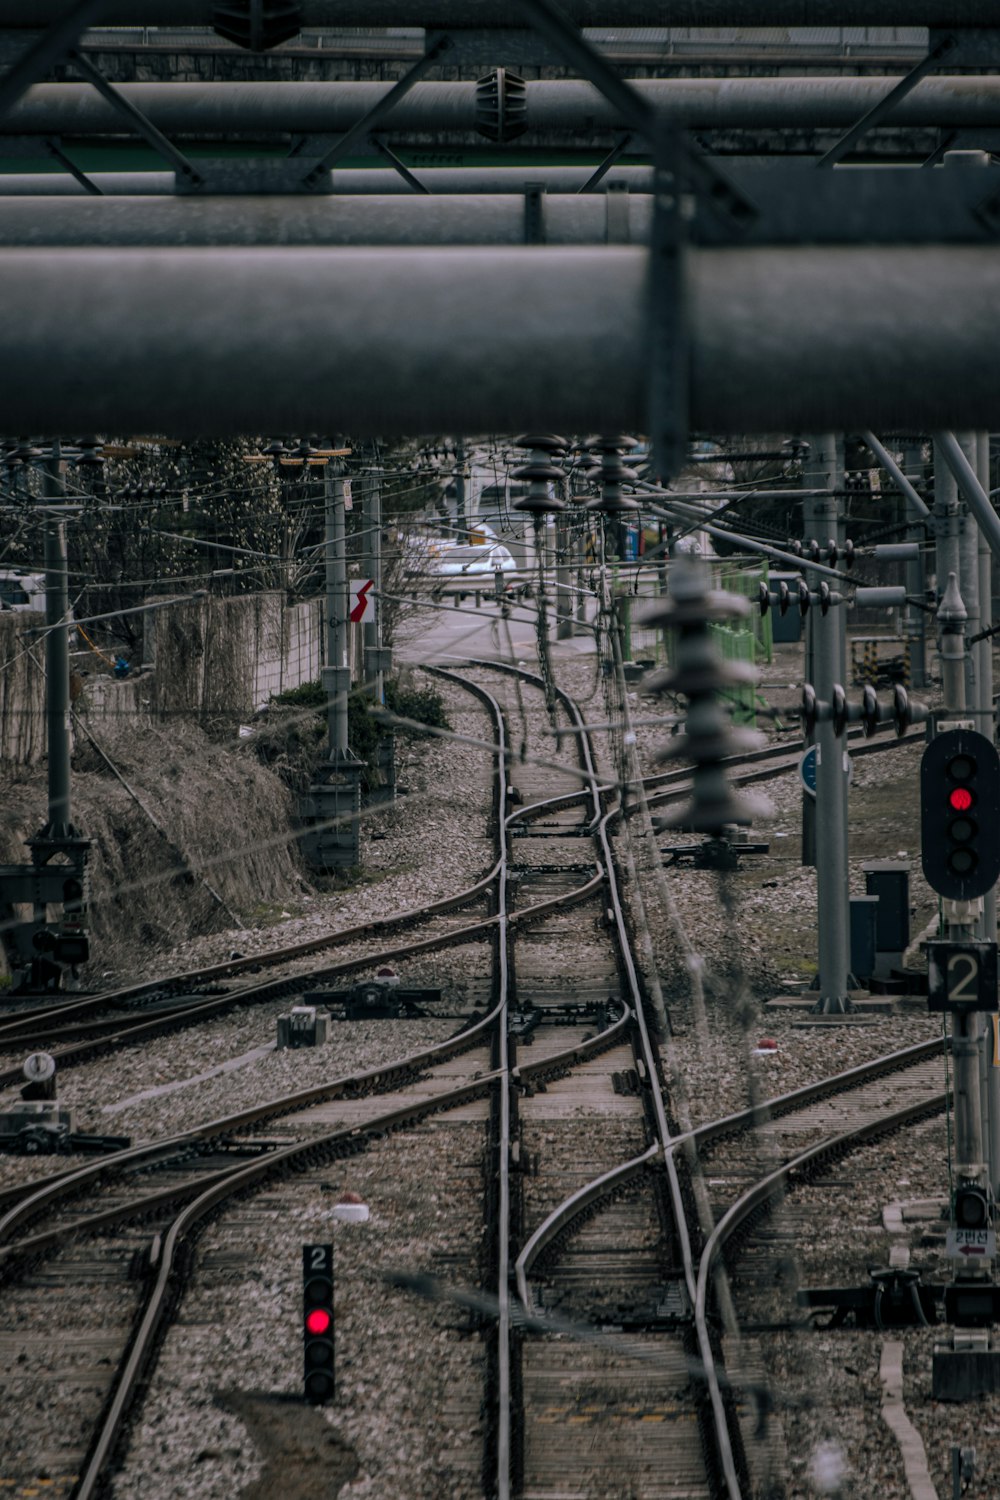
x=317 y=1321
x=960 y=814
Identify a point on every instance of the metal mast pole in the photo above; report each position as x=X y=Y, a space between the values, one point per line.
x=336 y=674
x=831 y=781
x=59 y=824
x=965 y=1043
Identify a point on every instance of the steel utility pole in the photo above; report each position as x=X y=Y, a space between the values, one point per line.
x=377 y=659
x=960 y=917
x=333 y=805
x=63 y=883
x=828 y=662
x=59 y=825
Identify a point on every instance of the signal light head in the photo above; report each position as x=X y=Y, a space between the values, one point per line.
x=972 y=1208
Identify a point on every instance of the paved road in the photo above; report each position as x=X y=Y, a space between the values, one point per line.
x=450 y=634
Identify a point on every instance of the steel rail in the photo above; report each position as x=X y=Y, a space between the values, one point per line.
x=778 y=1180
x=25 y=1026
x=64 y=1183
x=502 y=1102
x=564 y=1214
x=274 y=989
x=74 y=111
x=835 y=1084
x=210 y=973
x=666 y=1142
x=237 y=1180
x=546 y=1067
x=274 y=339
x=135 y=1363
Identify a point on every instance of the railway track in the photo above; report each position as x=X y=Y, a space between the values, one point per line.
x=587 y=1419
x=80 y=1029
x=603 y=1218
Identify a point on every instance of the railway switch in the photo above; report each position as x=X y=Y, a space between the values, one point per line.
x=376 y=999
x=317 y=1321
x=959 y=811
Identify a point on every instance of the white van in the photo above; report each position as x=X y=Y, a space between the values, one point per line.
x=22 y=590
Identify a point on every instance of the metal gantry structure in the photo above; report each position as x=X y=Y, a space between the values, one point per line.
x=725 y=254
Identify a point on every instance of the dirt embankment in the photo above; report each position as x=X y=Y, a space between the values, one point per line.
x=188 y=834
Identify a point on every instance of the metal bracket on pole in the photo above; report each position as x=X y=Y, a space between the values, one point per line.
x=534 y=213
x=889 y=464
x=363 y=128
x=878 y=112
x=125 y=107
x=397 y=166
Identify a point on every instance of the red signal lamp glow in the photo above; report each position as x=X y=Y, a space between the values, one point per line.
x=318 y=1321
x=960 y=799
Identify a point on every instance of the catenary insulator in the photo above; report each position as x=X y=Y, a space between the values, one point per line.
x=700 y=672
x=611 y=501
x=869 y=710
x=540 y=472
x=91 y=454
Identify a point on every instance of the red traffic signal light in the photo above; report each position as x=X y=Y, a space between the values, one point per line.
x=960 y=814
x=319 y=1320
x=317 y=1325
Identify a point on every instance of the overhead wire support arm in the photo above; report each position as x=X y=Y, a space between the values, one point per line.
x=885 y=106
x=137 y=119
x=362 y=129
x=49 y=49
x=891 y=467
x=973 y=493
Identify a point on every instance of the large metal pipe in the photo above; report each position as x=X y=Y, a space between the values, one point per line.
x=795 y=206
x=414 y=219
x=484 y=340
x=469 y=14
x=348 y=182
x=76 y=109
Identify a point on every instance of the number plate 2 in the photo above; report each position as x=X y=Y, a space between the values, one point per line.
x=961 y=976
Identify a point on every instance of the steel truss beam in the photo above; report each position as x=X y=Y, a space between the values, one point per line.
x=410 y=341
x=439 y=181
x=493 y=14
x=206 y=109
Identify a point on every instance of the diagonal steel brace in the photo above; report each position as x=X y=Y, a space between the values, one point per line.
x=362 y=129
x=885 y=106
x=397 y=165
x=637 y=112
x=50 y=47
x=137 y=119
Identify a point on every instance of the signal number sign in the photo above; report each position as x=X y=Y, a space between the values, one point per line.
x=962 y=976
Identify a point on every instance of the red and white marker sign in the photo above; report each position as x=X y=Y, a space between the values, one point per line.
x=362 y=603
